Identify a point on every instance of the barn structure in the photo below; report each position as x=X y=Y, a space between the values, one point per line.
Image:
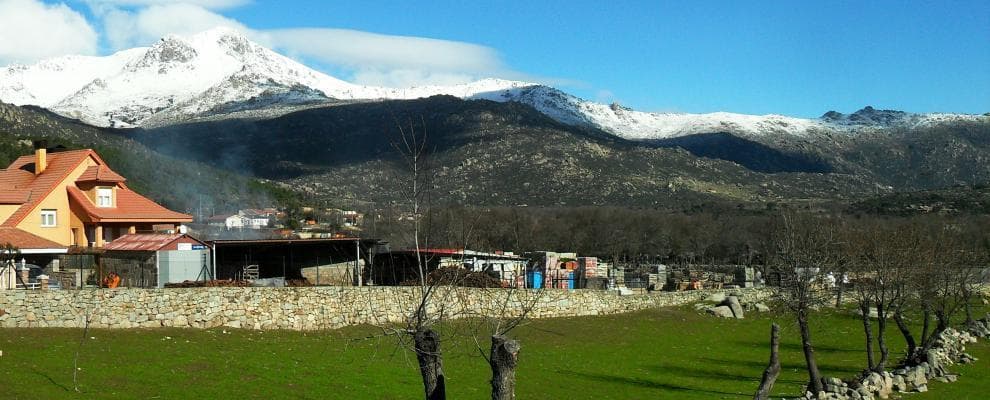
x=154 y=259
x=321 y=261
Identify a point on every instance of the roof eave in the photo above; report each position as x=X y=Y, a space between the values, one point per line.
x=96 y=218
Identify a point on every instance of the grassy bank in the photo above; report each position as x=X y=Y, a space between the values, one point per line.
x=671 y=353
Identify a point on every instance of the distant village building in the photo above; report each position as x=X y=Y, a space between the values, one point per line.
x=244 y=219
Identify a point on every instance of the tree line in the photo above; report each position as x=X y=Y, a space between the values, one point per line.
x=921 y=274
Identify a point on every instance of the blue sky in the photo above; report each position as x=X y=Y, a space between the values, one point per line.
x=797 y=58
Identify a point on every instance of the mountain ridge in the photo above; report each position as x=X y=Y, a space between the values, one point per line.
x=220 y=73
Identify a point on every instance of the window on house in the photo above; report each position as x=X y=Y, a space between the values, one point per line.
x=48 y=218
x=104 y=197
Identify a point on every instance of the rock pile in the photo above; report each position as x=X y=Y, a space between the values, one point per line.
x=949 y=349
x=980 y=327
x=729 y=306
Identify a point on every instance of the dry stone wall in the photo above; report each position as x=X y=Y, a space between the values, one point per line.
x=309 y=308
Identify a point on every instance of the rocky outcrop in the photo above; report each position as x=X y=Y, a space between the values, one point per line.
x=730 y=306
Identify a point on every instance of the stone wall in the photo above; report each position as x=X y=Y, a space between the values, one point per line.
x=308 y=308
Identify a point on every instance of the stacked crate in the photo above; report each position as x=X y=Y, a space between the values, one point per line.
x=590 y=266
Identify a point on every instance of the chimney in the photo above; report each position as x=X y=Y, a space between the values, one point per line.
x=40 y=156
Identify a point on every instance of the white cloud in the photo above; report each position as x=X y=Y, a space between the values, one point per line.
x=124 y=29
x=409 y=77
x=369 y=58
x=389 y=60
x=31 y=30
x=209 y=4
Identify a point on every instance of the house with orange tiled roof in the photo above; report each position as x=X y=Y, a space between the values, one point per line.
x=51 y=201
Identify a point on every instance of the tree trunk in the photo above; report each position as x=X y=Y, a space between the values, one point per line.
x=969 y=310
x=503 y=360
x=864 y=309
x=430 y=363
x=881 y=337
x=905 y=331
x=814 y=376
x=773 y=369
x=839 y=292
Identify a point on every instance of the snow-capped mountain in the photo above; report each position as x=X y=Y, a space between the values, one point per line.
x=219 y=72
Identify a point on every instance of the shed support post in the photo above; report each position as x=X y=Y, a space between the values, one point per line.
x=357 y=262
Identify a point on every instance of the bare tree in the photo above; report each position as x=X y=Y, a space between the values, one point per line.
x=936 y=283
x=412 y=146
x=879 y=257
x=773 y=368
x=805 y=249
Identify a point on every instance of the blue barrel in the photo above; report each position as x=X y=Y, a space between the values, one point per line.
x=534 y=279
x=570 y=280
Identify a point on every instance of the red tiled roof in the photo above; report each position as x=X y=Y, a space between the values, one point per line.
x=130 y=207
x=100 y=173
x=20 y=185
x=14 y=196
x=144 y=241
x=20 y=175
x=25 y=240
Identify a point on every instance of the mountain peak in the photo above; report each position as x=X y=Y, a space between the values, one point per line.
x=219 y=34
x=171 y=49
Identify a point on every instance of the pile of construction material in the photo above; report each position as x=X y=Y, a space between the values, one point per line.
x=691 y=277
x=213 y=283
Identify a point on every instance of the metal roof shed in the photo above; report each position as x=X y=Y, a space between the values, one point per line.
x=154 y=259
x=289 y=258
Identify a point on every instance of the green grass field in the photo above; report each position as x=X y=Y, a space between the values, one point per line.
x=667 y=354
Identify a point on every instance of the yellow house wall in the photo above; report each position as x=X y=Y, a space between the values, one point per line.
x=57 y=200
x=6 y=210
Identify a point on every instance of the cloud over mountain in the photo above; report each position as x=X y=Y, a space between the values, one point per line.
x=31 y=30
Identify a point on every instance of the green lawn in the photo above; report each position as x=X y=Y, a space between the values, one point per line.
x=670 y=354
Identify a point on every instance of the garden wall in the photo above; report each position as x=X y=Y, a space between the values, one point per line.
x=308 y=308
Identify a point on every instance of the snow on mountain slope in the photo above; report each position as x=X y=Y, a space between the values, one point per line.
x=49 y=81
x=217 y=66
x=219 y=72
x=637 y=125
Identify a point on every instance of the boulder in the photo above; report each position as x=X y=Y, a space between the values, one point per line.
x=886 y=385
x=735 y=306
x=761 y=307
x=897 y=383
x=873 y=382
x=915 y=376
x=721 y=311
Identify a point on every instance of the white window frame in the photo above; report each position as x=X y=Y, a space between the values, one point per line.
x=104 y=193
x=49 y=218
